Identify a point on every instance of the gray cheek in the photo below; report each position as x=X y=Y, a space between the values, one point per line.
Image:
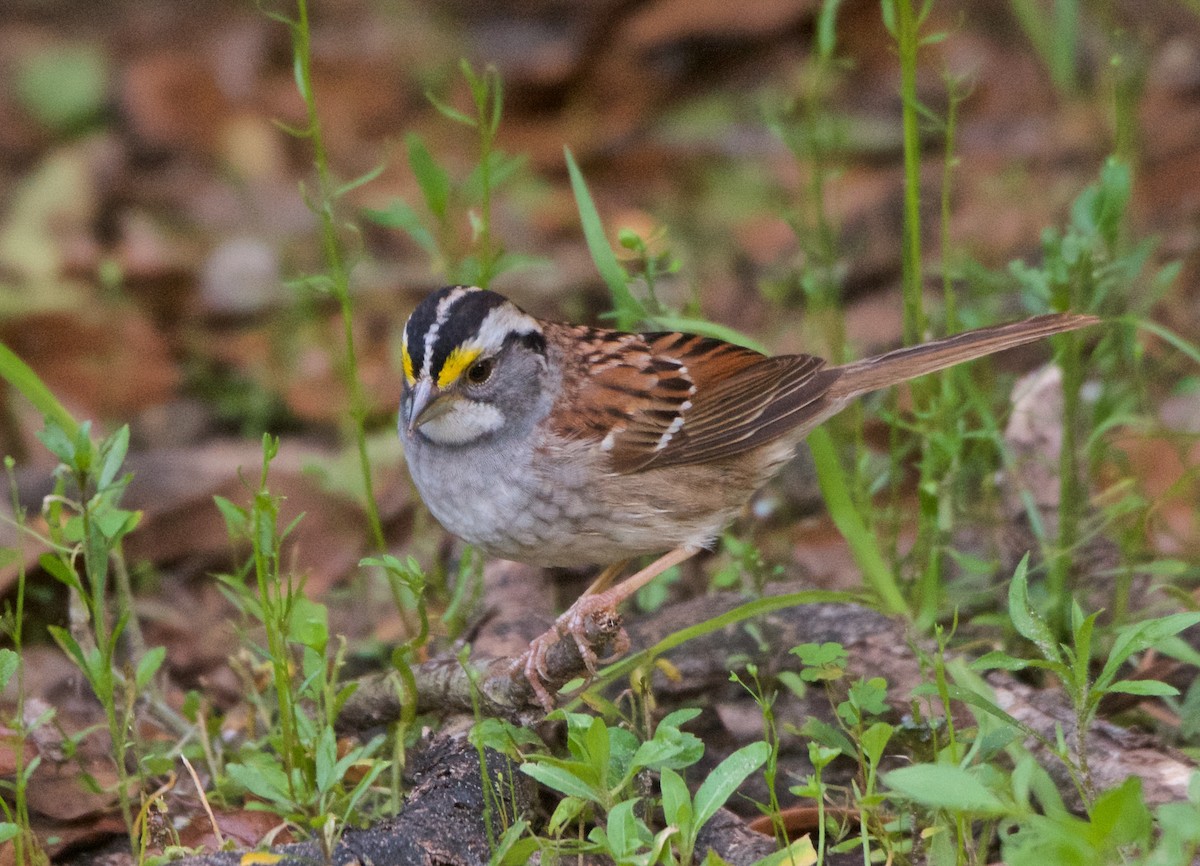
x=405 y=402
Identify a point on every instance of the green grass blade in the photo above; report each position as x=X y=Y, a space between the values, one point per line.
x=705 y=328
x=629 y=310
x=741 y=613
x=21 y=377
x=832 y=480
x=1169 y=336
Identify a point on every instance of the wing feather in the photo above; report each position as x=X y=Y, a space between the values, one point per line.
x=667 y=399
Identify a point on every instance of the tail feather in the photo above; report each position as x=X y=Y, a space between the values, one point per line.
x=910 y=362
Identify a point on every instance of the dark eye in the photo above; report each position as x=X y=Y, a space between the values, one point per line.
x=480 y=371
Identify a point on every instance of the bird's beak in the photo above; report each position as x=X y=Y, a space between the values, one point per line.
x=425 y=404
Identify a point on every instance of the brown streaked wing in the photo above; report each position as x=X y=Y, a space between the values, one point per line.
x=684 y=368
x=670 y=398
x=751 y=408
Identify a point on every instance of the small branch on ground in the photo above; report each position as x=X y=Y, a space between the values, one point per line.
x=498 y=685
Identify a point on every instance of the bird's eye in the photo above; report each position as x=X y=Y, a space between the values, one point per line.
x=480 y=371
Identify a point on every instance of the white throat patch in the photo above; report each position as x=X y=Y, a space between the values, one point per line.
x=464 y=422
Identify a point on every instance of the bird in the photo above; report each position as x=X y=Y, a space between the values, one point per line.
x=558 y=444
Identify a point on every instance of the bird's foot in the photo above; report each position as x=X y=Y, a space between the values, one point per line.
x=592 y=620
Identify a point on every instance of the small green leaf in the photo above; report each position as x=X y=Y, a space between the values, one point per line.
x=624 y=832
x=567 y=810
x=827 y=735
x=594 y=746
x=262 y=778
x=400 y=215
x=1141 y=636
x=827 y=28
x=58 y=440
x=309 y=624
x=725 y=779
x=874 y=740
x=148 y=666
x=799 y=853
x=300 y=77
x=998 y=659
x=325 y=761
x=673 y=748
x=69 y=645
x=431 y=177
x=8 y=830
x=113 y=453
x=60 y=571
x=514 y=847
x=501 y=168
x=622 y=745
x=1152 y=688
x=115 y=523
x=1179 y=649
x=1120 y=817
x=235 y=517
x=677 y=802
x=947 y=787
x=9 y=662
x=1026 y=620
x=678 y=718
x=560 y=779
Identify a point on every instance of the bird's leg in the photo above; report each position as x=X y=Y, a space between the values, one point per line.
x=604 y=581
x=597 y=600
x=610 y=598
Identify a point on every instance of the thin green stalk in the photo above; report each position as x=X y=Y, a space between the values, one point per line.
x=904 y=25
x=483 y=90
x=949 y=163
x=95 y=564
x=123 y=587
x=265 y=541
x=20 y=799
x=863 y=832
x=339 y=275
x=939 y=466
x=908 y=41
x=1070 y=486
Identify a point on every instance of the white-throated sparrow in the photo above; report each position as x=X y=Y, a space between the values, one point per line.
x=557 y=444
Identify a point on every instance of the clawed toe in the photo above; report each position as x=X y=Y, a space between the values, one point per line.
x=534 y=663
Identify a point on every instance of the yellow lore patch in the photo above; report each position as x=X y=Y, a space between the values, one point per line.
x=406 y=361
x=459 y=360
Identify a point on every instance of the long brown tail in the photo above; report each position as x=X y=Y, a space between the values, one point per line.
x=908 y=363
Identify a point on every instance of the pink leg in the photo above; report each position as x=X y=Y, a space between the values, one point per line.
x=594 y=602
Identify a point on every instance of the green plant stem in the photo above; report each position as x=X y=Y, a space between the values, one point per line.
x=487 y=135
x=25 y=838
x=939 y=466
x=339 y=275
x=863 y=833
x=275 y=610
x=95 y=563
x=906 y=34
x=1070 y=486
x=908 y=41
x=123 y=588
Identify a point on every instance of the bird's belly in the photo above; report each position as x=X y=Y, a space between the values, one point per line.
x=569 y=514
